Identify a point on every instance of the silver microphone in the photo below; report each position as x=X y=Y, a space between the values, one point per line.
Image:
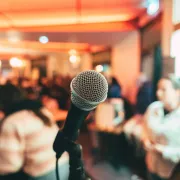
x=88 y=89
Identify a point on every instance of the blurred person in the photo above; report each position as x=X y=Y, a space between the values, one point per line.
x=24 y=83
x=58 y=80
x=44 y=82
x=51 y=103
x=114 y=89
x=14 y=81
x=60 y=93
x=30 y=87
x=1 y=112
x=67 y=82
x=109 y=119
x=27 y=133
x=133 y=128
x=3 y=80
x=36 y=88
x=162 y=130
x=31 y=94
x=144 y=95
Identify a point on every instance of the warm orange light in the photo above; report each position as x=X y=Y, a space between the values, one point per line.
x=99 y=68
x=105 y=18
x=49 y=47
x=15 y=62
x=73 y=59
x=88 y=27
x=72 y=51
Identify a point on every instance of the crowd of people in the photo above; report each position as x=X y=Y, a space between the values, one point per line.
x=32 y=111
x=149 y=142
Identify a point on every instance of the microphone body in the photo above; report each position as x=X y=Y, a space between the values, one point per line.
x=73 y=122
x=88 y=89
x=71 y=128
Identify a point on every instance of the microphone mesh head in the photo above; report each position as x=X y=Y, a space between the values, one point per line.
x=88 y=89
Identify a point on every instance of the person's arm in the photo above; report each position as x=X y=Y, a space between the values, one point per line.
x=168 y=152
x=169 y=143
x=170 y=147
x=60 y=115
x=11 y=149
x=148 y=145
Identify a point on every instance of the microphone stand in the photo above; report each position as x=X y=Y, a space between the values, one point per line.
x=74 y=150
x=76 y=163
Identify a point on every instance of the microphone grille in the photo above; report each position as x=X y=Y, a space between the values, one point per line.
x=89 y=88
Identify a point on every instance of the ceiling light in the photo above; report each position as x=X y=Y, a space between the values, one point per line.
x=99 y=68
x=15 y=62
x=73 y=59
x=43 y=39
x=153 y=7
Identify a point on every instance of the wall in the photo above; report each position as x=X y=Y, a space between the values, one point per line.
x=59 y=63
x=86 y=62
x=167 y=27
x=171 y=39
x=126 y=63
x=148 y=65
x=175 y=42
x=176 y=12
x=151 y=35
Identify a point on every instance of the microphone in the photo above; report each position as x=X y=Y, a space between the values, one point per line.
x=88 y=89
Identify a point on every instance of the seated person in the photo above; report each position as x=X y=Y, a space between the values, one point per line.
x=162 y=130
x=51 y=103
x=27 y=133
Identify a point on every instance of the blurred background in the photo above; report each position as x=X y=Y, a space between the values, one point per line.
x=133 y=43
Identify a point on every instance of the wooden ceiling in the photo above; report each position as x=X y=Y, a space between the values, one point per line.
x=35 y=13
x=59 y=18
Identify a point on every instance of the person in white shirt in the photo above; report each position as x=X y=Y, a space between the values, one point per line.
x=27 y=133
x=161 y=137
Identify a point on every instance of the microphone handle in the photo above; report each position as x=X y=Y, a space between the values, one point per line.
x=73 y=122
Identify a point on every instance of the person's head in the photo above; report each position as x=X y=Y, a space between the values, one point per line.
x=9 y=94
x=114 y=81
x=34 y=83
x=30 y=94
x=12 y=100
x=49 y=101
x=44 y=81
x=58 y=80
x=25 y=83
x=168 y=92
